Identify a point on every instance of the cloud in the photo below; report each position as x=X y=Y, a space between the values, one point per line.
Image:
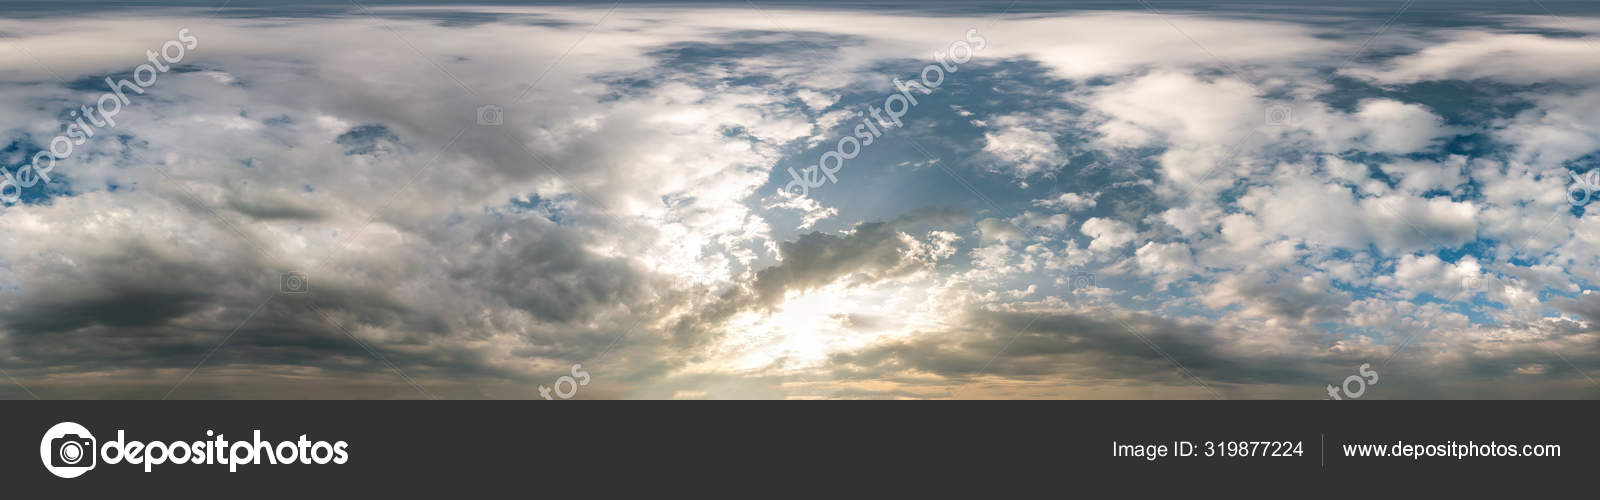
x=992 y=230
x=1508 y=57
x=1068 y=201
x=1167 y=261
x=1397 y=127
x=1025 y=152
x=1330 y=214
x=626 y=215
x=1107 y=234
x=1428 y=274
x=870 y=252
x=1555 y=130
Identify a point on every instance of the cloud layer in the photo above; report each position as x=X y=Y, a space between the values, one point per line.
x=1098 y=204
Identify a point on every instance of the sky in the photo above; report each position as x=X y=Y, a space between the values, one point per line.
x=1127 y=200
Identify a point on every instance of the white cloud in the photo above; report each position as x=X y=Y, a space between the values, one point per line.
x=1329 y=214
x=1418 y=177
x=1167 y=261
x=1072 y=202
x=1429 y=274
x=1107 y=234
x=1559 y=128
x=996 y=230
x=1396 y=127
x=1024 y=152
x=1507 y=57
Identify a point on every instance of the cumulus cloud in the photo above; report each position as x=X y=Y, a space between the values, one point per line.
x=1024 y=152
x=1107 y=234
x=1068 y=201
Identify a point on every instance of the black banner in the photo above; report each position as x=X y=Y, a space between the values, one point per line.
x=424 y=448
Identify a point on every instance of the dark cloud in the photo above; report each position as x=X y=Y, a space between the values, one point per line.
x=1086 y=346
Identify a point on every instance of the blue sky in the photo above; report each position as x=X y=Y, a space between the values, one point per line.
x=1107 y=200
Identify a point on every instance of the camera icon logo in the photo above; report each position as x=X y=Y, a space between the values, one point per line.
x=491 y=115
x=1082 y=280
x=293 y=282
x=1279 y=115
x=68 y=450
